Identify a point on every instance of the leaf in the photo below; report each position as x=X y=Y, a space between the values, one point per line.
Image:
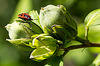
x=23 y=44
x=69 y=18
x=35 y=17
x=97 y=61
x=35 y=22
x=93 y=18
x=45 y=47
x=62 y=32
x=20 y=42
x=55 y=61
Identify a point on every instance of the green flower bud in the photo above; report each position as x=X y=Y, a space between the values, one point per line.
x=20 y=33
x=45 y=47
x=21 y=29
x=33 y=26
x=51 y=15
x=17 y=31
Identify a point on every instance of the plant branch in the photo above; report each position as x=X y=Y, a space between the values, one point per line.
x=80 y=46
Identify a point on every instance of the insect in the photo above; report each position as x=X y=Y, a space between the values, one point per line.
x=25 y=17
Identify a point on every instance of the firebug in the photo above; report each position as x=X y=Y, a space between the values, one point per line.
x=25 y=17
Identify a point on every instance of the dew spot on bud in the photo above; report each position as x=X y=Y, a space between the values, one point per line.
x=58 y=6
x=53 y=26
x=5 y=26
x=42 y=8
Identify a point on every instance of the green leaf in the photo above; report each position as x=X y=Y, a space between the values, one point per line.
x=93 y=18
x=23 y=44
x=69 y=18
x=97 y=61
x=45 y=47
x=36 y=21
x=19 y=42
x=55 y=61
x=63 y=33
x=35 y=17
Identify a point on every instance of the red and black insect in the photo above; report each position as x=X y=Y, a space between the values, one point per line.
x=26 y=17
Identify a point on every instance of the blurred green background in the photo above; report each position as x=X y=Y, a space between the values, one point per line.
x=12 y=56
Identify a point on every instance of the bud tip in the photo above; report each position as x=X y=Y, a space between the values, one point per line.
x=31 y=56
x=42 y=8
x=5 y=26
x=58 y=6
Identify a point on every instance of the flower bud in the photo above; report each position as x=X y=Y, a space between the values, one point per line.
x=21 y=29
x=33 y=26
x=45 y=47
x=57 y=15
x=17 y=31
x=20 y=33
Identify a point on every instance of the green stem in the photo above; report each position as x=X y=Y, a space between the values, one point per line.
x=83 y=41
x=86 y=32
x=80 y=46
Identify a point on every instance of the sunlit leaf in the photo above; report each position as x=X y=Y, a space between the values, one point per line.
x=34 y=15
x=19 y=42
x=93 y=18
x=45 y=47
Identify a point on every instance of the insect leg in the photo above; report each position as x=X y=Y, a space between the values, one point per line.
x=30 y=24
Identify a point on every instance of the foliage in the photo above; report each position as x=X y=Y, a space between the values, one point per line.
x=57 y=25
x=78 y=9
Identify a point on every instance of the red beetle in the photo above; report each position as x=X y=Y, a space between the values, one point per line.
x=25 y=16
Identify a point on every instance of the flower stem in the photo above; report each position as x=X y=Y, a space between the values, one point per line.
x=84 y=42
x=86 y=32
